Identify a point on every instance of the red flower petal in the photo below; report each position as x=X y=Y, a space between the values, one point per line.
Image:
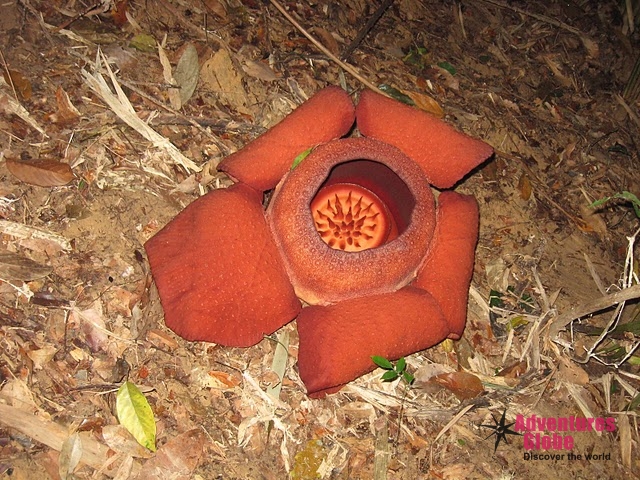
x=337 y=342
x=219 y=273
x=444 y=154
x=262 y=163
x=448 y=269
x=321 y=274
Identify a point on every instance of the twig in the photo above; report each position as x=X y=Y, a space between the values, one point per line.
x=217 y=126
x=365 y=30
x=8 y=75
x=349 y=68
x=593 y=306
x=537 y=16
x=95 y=8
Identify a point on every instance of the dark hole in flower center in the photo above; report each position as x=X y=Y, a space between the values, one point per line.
x=362 y=204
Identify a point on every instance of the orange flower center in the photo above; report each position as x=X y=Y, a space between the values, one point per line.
x=351 y=218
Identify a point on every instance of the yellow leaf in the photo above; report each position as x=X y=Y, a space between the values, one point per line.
x=135 y=414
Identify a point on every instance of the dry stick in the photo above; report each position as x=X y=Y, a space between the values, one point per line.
x=352 y=70
x=8 y=75
x=84 y=13
x=593 y=306
x=537 y=16
x=223 y=148
x=365 y=30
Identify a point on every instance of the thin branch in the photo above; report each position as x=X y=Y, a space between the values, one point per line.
x=537 y=16
x=365 y=30
x=593 y=306
x=349 y=68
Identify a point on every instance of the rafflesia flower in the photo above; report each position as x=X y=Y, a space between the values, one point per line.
x=353 y=231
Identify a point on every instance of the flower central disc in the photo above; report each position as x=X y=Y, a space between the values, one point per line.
x=351 y=218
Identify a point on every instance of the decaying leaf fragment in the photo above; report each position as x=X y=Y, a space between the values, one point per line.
x=17 y=267
x=463 y=385
x=187 y=72
x=177 y=459
x=43 y=173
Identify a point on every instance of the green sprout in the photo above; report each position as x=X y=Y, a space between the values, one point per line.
x=627 y=196
x=399 y=370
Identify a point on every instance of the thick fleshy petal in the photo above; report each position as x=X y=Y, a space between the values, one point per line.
x=337 y=342
x=444 y=154
x=329 y=114
x=448 y=268
x=321 y=274
x=219 y=273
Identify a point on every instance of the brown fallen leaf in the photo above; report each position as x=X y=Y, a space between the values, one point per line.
x=67 y=113
x=119 y=13
x=120 y=440
x=225 y=380
x=177 y=459
x=426 y=103
x=19 y=82
x=593 y=221
x=160 y=339
x=572 y=372
x=259 y=70
x=463 y=385
x=17 y=267
x=217 y=7
x=327 y=40
x=187 y=73
x=43 y=173
x=525 y=187
x=514 y=370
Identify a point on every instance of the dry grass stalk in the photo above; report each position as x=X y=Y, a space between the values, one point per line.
x=121 y=106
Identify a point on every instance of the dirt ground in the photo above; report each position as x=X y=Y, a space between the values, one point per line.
x=542 y=82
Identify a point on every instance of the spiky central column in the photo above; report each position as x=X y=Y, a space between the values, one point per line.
x=350 y=217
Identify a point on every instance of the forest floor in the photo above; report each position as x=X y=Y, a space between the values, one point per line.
x=81 y=191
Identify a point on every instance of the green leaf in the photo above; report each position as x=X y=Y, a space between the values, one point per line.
x=408 y=377
x=301 y=157
x=401 y=365
x=618 y=148
x=396 y=94
x=599 y=203
x=416 y=56
x=448 y=67
x=516 y=322
x=526 y=302
x=635 y=201
x=135 y=414
x=143 y=42
x=635 y=403
x=624 y=195
x=389 y=376
x=495 y=299
x=633 y=360
x=382 y=362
